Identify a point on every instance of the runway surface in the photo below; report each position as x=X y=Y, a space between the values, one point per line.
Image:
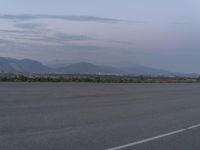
x=91 y=116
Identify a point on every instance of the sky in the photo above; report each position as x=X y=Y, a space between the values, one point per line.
x=155 y=33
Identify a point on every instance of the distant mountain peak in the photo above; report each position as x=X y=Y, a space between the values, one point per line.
x=88 y=68
x=11 y=65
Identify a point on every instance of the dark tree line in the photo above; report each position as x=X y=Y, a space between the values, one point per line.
x=95 y=78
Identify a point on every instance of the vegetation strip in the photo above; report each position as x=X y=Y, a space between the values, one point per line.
x=93 y=78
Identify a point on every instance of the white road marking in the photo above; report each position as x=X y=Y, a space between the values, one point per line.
x=194 y=126
x=154 y=138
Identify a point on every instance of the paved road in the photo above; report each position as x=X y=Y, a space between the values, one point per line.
x=83 y=116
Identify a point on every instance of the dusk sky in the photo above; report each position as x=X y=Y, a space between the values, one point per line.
x=162 y=34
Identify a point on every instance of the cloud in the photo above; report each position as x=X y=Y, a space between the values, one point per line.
x=13 y=36
x=67 y=52
x=55 y=38
x=39 y=37
x=137 y=22
x=28 y=25
x=120 y=42
x=67 y=37
x=178 y=23
x=18 y=32
x=2 y=42
x=25 y=17
x=37 y=33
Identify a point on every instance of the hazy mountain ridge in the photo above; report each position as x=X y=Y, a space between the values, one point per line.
x=11 y=65
x=88 y=68
x=143 y=70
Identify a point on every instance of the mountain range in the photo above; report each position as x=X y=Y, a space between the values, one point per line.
x=11 y=65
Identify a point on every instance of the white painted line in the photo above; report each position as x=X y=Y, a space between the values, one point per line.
x=154 y=138
x=194 y=126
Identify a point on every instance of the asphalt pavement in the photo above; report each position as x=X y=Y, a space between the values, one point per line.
x=91 y=116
